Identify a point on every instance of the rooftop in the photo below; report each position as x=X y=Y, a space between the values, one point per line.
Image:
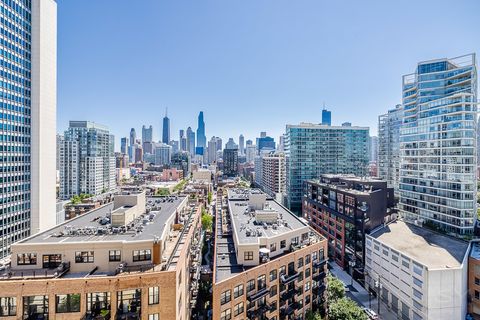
x=267 y=222
x=475 y=252
x=432 y=249
x=92 y=226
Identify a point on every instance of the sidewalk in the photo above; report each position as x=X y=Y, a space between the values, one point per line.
x=359 y=294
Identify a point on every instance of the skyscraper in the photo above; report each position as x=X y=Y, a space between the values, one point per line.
x=133 y=139
x=326 y=117
x=241 y=144
x=201 y=138
x=373 y=148
x=212 y=150
x=312 y=150
x=147 y=134
x=87 y=160
x=231 y=144
x=438 y=147
x=183 y=140
x=190 y=141
x=29 y=66
x=389 y=146
x=265 y=143
x=166 y=129
x=124 y=145
x=230 y=161
x=163 y=154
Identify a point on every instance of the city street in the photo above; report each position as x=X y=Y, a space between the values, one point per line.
x=360 y=295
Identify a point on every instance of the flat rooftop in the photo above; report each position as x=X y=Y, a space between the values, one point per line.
x=432 y=249
x=475 y=252
x=89 y=229
x=248 y=230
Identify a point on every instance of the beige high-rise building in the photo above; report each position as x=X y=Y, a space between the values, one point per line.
x=268 y=263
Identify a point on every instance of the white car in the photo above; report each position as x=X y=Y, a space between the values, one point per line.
x=372 y=315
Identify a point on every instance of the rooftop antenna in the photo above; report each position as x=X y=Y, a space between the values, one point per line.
x=166 y=112
x=324 y=106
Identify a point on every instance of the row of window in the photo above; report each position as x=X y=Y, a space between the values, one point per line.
x=84 y=257
x=68 y=303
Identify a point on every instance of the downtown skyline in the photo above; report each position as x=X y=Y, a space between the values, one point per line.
x=283 y=71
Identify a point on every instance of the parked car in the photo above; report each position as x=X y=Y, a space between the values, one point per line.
x=372 y=315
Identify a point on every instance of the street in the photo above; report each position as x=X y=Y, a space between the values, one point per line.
x=360 y=295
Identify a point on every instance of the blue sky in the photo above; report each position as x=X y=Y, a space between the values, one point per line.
x=250 y=65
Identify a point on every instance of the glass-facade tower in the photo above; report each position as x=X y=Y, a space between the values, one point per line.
x=389 y=146
x=438 y=145
x=312 y=150
x=27 y=118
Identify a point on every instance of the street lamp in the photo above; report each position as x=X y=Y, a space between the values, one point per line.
x=351 y=263
x=378 y=286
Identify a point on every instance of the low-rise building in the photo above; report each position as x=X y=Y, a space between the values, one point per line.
x=135 y=258
x=474 y=281
x=268 y=264
x=419 y=273
x=344 y=208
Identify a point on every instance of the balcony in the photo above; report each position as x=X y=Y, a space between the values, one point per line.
x=288 y=294
x=259 y=294
x=320 y=276
x=252 y=314
x=103 y=314
x=290 y=277
x=320 y=263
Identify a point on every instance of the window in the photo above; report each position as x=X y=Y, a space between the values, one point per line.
x=250 y=285
x=37 y=303
x=84 y=257
x=307 y=259
x=273 y=291
x=417 y=269
x=226 y=314
x=405 y=264
x=282 y=270
x=8 y=306
x=67 y=303
x=417 y=282
x=153 y=295
x=283 y=244
x=417 y=293
x=273 y=247
x=261 y=282
x=26 y=259
x=477 y=295
x=225 y=297
x=300 y=263
x=248 y=255
x=98 y=303
x=238 y=309
x=477 y=281
x=142 y=255
x=154 y=316
x=238 y=291
x=314 y=256
x=307 y=272
x=129 y=302
x=273 y=275
x=307 y=286
x=114 y=255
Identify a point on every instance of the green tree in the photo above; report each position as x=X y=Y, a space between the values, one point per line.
x=335 y=289
x=313 y=315
x=207 y=221
x=345 y=309
x=162 y=192
x=209 y=197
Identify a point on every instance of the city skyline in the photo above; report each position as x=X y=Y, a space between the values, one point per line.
x=285 y=88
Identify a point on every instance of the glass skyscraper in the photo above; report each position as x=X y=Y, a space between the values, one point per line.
x=27 y=118
x=201 y=138
x=438 y=179
x=313 y=149
x=389 y=146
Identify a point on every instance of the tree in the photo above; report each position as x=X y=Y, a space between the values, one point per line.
x=207 y=221
x=311 y=315
x=335 y=289
x=162 y=192
x=345 y=309
x=209 y=197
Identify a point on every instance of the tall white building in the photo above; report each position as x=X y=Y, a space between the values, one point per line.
x=87 y=160
x=163 y=154
x=250 y=151
x=438 y=145
x=274 y=175
x=389 y=146
x=27 y=119
x=212 y=150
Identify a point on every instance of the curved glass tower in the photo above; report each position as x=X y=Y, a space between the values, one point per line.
x=438 y=145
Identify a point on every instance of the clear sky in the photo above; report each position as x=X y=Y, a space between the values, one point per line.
x=250 y=65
